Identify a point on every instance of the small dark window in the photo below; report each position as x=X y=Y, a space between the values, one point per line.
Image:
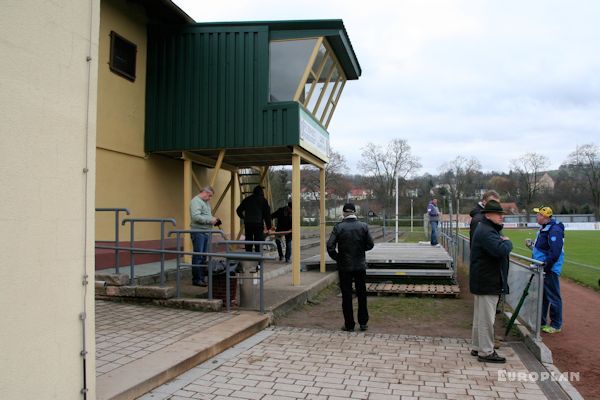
x=122 y=56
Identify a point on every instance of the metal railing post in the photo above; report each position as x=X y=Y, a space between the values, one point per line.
x=131 y=253
x=538 y=322
x=177 y=277
x=116 y=210
x=259 y=267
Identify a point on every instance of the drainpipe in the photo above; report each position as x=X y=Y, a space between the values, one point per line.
x=87 y=177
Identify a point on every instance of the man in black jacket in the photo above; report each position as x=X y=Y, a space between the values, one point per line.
x=476 y=215
x=283 y=216
x=488 y=279
x=352 y=239
x=256 y=213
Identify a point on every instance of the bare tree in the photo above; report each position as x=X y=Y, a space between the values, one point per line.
x=585 y=160
x=334 y=176
x=529 y=168
x=504 y=185
x=384 y=164
x=280 y=186
x=460 y=175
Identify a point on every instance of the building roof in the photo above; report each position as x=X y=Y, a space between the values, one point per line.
x=333 y=29
x=164 y=11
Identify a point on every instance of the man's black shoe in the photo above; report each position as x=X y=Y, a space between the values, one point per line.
x=346 y=329
x=200 y=283
x=492 y=358
x=474 y=353
x=364 y=327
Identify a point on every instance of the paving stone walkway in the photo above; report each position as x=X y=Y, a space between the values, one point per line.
x=293 y=363
x=127 y=332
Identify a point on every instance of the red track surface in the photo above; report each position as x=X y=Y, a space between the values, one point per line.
x=577 y=347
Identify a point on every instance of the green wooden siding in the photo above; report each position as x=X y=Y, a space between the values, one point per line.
x=208 y=84
x=207 y=88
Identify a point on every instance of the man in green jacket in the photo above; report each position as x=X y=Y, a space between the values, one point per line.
x=201 y=215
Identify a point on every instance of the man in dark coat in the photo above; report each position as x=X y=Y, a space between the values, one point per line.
x=256 y=213
x=352 y=239
x=476 y=215
x=488 y=279
x=283 y=216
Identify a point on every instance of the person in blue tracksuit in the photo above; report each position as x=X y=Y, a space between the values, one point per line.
x=549 y=248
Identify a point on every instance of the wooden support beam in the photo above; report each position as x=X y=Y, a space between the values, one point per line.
x=195 y=179
x=217 y=167
x=295 y=219
x=233 y=183
x=306 y=156
x=263 y=174
x=322 y=217
x=187 y=197
x=206 y=161
x=222 y=197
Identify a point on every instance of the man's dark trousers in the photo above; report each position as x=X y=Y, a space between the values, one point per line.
x=200 y=243
x=254 y=232
x=346 y=278
x=288 y=247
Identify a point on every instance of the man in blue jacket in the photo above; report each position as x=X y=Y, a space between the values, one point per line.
x=488 y=272
x=434 y=217
x=548 y=247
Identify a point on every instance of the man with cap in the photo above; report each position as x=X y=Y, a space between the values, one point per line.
x=349 y=241
x=488 y=272
x=256 y=213
x=549 y=248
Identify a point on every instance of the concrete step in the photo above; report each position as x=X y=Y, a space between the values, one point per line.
x=141 y=376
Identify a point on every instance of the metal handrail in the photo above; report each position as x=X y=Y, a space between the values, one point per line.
x=210 y=232
x=116 y=210
x=162 y=243
x=259 y=266
x=236 y=256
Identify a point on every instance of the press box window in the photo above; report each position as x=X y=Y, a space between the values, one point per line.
x=122 y=56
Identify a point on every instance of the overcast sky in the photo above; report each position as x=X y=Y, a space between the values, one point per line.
x=486 y=79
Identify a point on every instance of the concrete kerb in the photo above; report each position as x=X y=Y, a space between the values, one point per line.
x=537 y=347
x=544 y=355
x=564 y=384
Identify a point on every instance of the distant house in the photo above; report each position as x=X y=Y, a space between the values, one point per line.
x=546 y=182
x=510 y=208
x=308 y=194
x=360 y=194
x=478 y=193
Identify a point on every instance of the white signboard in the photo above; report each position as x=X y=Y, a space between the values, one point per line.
x=313 y=137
